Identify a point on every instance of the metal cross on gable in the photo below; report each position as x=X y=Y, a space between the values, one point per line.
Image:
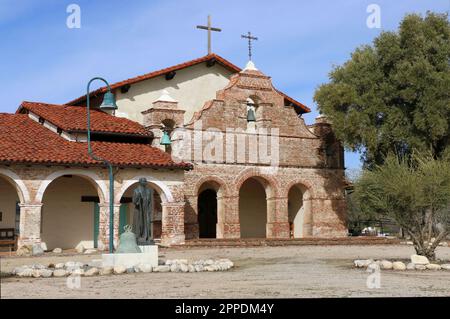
x=250 y=38
x=209 y=28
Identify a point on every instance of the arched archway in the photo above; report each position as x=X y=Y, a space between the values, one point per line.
x=10 y=197
x=299 y=211
x=207 y=214
x=17 y=183
x=70 y=214
x=210 y=207
x=160 y=195
x=98 y=183
x=253 y=208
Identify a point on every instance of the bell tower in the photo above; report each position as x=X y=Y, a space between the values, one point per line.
x=162 y=119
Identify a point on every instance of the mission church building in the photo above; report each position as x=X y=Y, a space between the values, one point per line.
x=52 y=192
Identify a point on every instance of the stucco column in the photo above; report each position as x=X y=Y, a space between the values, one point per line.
x=277 y=218
x=228 y=225
x=103 y=232
x=172 y=223
x=30 y=224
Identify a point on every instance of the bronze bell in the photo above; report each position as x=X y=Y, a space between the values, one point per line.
x=127 y=242
x=251 y=115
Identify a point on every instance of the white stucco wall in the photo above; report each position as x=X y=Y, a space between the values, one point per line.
x=66 y=221
x=8 y=200
x=252 y=210
x=191 y=87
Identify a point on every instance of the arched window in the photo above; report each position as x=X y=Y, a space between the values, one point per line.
x=251 y=113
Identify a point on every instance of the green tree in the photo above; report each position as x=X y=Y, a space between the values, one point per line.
x=415 y=193
x=394 y=96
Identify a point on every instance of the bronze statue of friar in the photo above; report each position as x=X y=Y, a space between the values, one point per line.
x=143 y=214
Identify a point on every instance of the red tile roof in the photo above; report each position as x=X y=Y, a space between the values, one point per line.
x=227 y=64
x=25 y=141
x=73 y=119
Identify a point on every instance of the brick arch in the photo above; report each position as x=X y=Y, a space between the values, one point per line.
x=307 y=192
x=222 y=187
x=162 y=189
x=269 y=183
x=305 y=186
x=19 y=185
x=93 y=178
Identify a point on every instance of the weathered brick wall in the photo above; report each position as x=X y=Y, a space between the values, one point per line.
x=323 y=189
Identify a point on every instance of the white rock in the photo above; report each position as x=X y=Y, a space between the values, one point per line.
x=119 y=269
x=443 y=243
x=91 y=272
x=36 y=273
x=410 y=266
x=208 y=262
x=419 y=260
x=145 y=268
x=25 y=250
x=43 y=246
x=175 y=267
x=168 y=262
x=199 y=268
x=373 y=266
x=70 y=264
x=37 y=250
x=420 y=267
x=78 y=271
x=59 y=273
x=163 y=268
x=210 y=268
x=182 y=261
x=46 y=273
x=433 y=266
x=362 y=263
x=25 y=272
x=409 y=243
x=38 y=266
x=80 y=248
x=57 y=250
x=19 y=269
x=106 y=270
x=386 y=264
x=184 y=267
x=398 y=265
x=90 y=251
x=191 y=268
x=445 y=266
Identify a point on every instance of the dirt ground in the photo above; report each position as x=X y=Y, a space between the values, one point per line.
x=260 y=272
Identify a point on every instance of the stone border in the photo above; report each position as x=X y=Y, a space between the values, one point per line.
x=384 y=264
x=95 y=268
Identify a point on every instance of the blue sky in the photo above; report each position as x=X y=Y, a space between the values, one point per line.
x=41 y=59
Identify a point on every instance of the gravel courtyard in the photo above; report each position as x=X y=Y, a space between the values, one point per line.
x=260 y=272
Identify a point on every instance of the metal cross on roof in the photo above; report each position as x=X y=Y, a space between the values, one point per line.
x=209 y=28
x=250 y=38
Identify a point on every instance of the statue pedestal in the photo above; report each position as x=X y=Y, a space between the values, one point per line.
x=149 y=256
